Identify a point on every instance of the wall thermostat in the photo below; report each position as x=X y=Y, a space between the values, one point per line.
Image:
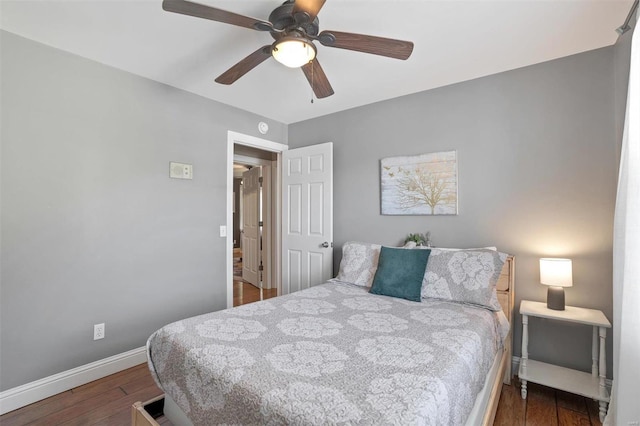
x=263 y=127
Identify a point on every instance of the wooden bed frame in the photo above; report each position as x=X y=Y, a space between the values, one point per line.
x=506 y=297
x=143 y=414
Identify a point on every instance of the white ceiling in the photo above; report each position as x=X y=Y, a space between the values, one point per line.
x=454 y=41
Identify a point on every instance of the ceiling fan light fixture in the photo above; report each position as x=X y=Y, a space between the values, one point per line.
x=293 y=52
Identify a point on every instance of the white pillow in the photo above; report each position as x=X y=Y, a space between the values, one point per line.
x=359 y=263
x=465 y=276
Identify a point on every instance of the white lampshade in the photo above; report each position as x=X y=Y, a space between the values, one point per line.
x=556 y=272
x=293 y=52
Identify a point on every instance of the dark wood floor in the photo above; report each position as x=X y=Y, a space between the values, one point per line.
x=544 y=407
x=107 y=402
x=243 y=292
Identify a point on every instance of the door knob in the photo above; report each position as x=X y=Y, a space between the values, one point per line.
x=325 y=244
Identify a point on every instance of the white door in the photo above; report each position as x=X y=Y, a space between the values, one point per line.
x=251 y=226
x=307 y=216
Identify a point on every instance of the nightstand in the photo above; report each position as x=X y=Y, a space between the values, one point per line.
x=588 y=385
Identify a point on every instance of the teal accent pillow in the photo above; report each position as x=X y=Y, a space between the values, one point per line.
x=400 y=273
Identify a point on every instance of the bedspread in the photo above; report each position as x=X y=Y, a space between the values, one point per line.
x=328 y=355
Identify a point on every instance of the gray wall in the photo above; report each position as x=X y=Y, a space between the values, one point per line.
x=93 y=229
x=537 y=177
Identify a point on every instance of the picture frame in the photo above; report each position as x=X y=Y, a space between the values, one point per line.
x=425 y=184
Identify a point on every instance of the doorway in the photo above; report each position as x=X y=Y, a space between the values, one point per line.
x=252 y=209
x=245 y=153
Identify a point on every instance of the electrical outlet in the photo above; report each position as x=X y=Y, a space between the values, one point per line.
x=98 y=331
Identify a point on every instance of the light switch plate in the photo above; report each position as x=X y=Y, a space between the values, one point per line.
x=223 y=231
x=180 y=171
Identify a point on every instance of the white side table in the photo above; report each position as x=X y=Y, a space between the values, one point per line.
x=578 y=382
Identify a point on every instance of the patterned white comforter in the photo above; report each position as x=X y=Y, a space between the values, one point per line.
x=332 y=354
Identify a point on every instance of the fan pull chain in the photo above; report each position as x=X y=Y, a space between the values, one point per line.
x=311 y=62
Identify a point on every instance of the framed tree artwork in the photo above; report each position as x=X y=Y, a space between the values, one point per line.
x=424 y=184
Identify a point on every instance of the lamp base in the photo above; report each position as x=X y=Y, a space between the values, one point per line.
x=555 y=298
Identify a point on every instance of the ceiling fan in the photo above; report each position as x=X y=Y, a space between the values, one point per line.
x=294 y=26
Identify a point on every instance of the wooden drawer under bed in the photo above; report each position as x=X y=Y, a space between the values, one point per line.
x=146 y=413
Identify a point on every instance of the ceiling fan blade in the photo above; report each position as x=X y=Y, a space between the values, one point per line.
x=310 y=7
x=245 y=65
x=389 y=47
x=207 y=12
x=317 y=79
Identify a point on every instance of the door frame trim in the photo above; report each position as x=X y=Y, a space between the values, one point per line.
x=234 y=138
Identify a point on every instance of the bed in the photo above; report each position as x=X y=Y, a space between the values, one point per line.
x=338 y=354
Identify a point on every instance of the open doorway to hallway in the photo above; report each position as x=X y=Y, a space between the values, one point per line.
x=252 y=151
x=251 y=197
x=253 y=224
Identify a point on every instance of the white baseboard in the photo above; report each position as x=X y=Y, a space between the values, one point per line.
x=515 y=367
x=26 y=394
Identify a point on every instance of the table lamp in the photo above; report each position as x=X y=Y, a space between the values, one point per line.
x=556 y=273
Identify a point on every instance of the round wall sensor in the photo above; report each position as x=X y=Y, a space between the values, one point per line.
x=263 y=127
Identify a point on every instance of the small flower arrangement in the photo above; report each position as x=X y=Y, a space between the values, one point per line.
x=419 y=239
x=416 y=238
